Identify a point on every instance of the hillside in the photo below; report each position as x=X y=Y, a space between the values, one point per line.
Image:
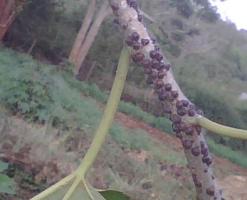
x=48 y=115
x=209 y=55
x=41 y=147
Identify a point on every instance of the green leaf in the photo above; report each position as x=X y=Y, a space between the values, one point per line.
x=6 y=185
x=114 y=195
x=3 y=166
x=24 y=107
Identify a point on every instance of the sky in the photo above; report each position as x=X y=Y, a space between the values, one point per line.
x=233 y=10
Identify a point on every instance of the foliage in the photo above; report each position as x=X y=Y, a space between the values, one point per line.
x=38 y=93
x=184 y=7
x=177 y=23
x=177 y=36
x=209 y=14
x=228 y=153
x=128 y=108
x=41 y=93
x=42 y=24
x=57 y=98
x=218 y=106
x=7 y=185
x=111 y=195
x=106 y=47
x=243 y=111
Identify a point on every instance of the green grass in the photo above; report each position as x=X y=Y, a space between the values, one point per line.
x=137 y=139
x=43 y=93
x=127 y=108
x=61 y=100
x=226 y=152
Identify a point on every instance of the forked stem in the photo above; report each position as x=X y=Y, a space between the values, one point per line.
x=55 y=187
x=111 y=107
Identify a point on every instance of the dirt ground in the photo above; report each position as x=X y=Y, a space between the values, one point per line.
x=234 y=186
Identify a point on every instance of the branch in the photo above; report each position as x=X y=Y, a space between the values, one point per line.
x=221 y=129
x=146 y=52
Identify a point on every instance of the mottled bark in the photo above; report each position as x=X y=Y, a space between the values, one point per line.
x=91 y=35
x=82 y=32
x=7 y=16
x=177 y=107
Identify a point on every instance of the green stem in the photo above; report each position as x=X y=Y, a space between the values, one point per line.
x=54 y=187
x=108 y=115
x=100 y=134
x=72 y=188
x=221 y=129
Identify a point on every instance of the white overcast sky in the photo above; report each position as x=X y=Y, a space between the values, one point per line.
x=233 y=10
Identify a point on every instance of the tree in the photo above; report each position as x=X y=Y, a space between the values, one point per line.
x=80 y=38
x=188 y=122
x=175 y=104
x=7 y=16
x=41 y=30
x=87 y=34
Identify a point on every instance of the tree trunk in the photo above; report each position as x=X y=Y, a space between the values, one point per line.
x=7 y=16
x=92 y=33
x=82 y=32
x=146 y=52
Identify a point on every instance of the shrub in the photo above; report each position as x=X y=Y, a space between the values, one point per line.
x=178 y=36
x=177 y=23
x=216 y=103
x=183 y=7
x=209 y=14
x=39 y=93
x=43 y=24
x=7 y=185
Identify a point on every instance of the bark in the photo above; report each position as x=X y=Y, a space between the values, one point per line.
x=7 y=16
x=82 y=32
x=91 y=35
x=180 y=110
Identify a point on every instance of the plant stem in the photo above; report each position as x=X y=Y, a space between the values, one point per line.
x=221 y=129
x=108 y=115
x=54 y=187
x=72 y=188
x=100 y=134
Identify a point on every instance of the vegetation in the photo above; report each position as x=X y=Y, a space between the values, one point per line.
x=228 y=153
x=131 y=140
x=7 y=185
x=211 y=70
x=28 y=90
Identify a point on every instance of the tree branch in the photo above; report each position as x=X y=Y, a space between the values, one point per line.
x=221 y=129
x=145 y=52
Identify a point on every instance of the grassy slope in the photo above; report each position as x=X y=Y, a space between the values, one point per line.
x=47 y=95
